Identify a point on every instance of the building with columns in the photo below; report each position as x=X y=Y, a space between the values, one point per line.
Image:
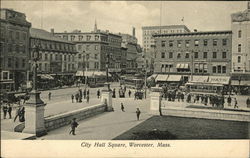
x=198 y=53
x=241 y=41
x=14 y=47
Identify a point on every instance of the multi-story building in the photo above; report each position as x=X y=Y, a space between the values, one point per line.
x=203 y=53
x=14 y=46
x=148 y=31
x=57 y=56
x=241 y=41
x=95 y=48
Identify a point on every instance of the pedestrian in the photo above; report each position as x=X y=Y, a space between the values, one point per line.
x=21 y=114
x=235 y=103
x=114 y=93
x=5 y=110
x=88 y=92
x=138 y=112
x=248 y=102
x=9 y=110
x=49 y=95
x=17 y=112
x=84 y=93
x=72 y=98
x=73 y=125
x=98 y=93
x=182 y=97
x=122 y=107
x=77 y=97
x=80 y=95
x=87 y=98
x=229 y=100
x=129 y=93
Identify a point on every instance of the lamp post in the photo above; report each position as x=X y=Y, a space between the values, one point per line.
x=107 y=68
x=34 y=107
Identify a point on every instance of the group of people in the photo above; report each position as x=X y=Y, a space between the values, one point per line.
x=20 y=111
x=171 y=95
x=79 y=95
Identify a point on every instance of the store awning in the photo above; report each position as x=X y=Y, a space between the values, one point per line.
x=174 y=78
x=79 y=73
x=47 y=77
x=241 y=83
x=161 y=78
x=219 y=79
x=95 y=73
x=200 y=79
x=152 y=76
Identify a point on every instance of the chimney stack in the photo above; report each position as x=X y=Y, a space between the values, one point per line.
x=195 y=30
x=52 y=30
x=133 y=33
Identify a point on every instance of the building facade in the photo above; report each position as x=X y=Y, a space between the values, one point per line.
x=14 y=46
x=241 y=41
x=95 y=48
x=198 y=53
x=57 y=56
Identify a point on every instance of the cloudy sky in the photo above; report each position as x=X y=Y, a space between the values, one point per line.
x=121 y=16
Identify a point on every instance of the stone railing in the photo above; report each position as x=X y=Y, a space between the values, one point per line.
x=63 y=119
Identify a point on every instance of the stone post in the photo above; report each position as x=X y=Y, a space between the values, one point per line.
x=107 y=97
x=34 y=115
x=155 y=100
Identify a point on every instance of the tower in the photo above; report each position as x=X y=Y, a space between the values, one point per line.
x=95 y=28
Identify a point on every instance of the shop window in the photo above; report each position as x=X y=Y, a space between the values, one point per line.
x=224 y=69
x=214 y=69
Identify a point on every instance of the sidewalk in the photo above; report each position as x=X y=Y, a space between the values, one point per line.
x=105 y=126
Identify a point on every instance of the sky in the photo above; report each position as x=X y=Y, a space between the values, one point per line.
x=121 y=16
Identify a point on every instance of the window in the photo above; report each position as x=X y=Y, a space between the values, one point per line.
x=196 y=55
x=11 y=35
x=219 y=69
x=51 y=57
x=96 y=56
x=72 y=37
x=239 y=48
x=96 y=37
x=45 y=66
x=214 y=69
x=239 y=33
x=214 y=54
x=178 y=44
x=224 y=69
x=205 y=68
x=239 y=59
x=17 y=35
x=17 y=48
x=79 y=56
x=215 y=42
x=17 y=63
x=23 y=63
x=170 y=54
x=9 y=62
x=46 y=56
x=204 y=55
x=187 y=43
x=196 y=67
x=163 y=43
x=87 y=56
x=69 y=58
x=79 y=47
x=24 y=36
x=224 y=42
x=205 y=42
x=80 y=37
x=196 y=43
x=96 y=47
x=179 y=55
x=65 y=57
x=5 y=75
x=87 y=47
x=171 y=43
x=9 y=48
x=162 y=54
x=224 y=54
x=88 y=38
x=187 y=55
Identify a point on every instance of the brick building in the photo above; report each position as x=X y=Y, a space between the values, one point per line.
x=57 y=56
x=14 y=46
x=241 y=41
x=93 y=48
x=203 y=53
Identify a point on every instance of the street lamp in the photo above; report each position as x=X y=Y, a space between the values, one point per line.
x=107 y=68
x=36 y=57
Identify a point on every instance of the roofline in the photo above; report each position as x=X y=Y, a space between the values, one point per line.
x=68 y=42
x=165 y=26
x=194 y=33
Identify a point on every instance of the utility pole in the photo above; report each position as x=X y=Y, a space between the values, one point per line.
x=192 y=63
x=107 y=67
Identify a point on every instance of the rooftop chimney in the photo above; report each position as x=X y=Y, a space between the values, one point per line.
x=52 y=30
x=195 y=30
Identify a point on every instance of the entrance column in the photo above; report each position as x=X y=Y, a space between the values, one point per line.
x=155 y=100
x=107 y=97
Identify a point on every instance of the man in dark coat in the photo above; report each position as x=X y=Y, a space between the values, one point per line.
x=84 y=93
x=138 y=112
x=98 y=93
x=248 y=102
x=72 y=98
x=9 y=110
x=5 y=109
x=122 y=107
x=229 y=101
x=73 y=125
x=129 y=93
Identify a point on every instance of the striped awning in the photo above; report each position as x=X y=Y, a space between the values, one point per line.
x=161 y=78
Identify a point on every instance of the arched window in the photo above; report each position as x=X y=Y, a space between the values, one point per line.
x=239 y=33
x=239 y=59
